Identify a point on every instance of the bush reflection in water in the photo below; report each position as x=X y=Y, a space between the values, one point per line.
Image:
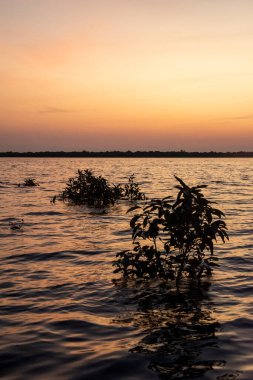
x=177 y=324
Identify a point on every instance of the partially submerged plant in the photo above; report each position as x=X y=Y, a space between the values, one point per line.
x=29 y=182
x=87 y=189
x=132 y=190
x=174 y=239
x=17 y=224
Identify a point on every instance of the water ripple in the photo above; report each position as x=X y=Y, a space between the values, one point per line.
x=63 y=317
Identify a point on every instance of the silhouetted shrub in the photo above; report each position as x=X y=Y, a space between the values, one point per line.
x=29 y=182
x=173 y=239
x=17 y=224
x=87 y=189
x=132 y=190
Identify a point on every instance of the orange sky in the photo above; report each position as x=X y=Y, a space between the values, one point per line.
x=129 y=74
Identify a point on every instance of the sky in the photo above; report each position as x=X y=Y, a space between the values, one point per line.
x=126 y=75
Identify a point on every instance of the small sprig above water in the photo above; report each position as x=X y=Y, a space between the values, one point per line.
x=174 y=239
x=132 y=190
x=17 y=224
x=29 y=182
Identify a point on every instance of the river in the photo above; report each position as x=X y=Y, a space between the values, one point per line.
x=63 y=315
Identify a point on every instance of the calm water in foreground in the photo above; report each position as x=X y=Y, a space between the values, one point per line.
x=63 y=317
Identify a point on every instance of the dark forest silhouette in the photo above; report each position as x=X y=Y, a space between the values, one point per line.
x=116 y=153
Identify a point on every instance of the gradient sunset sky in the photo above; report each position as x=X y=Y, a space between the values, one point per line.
x=126 y=74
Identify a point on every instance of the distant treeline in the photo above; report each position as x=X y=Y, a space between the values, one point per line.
x=116 y=153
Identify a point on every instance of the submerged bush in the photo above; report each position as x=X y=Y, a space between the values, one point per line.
x=87 y=189
x=132 y=190
x=29 y=182
x=173 y=239
x=17 y=224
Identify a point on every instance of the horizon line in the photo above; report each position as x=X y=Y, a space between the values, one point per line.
x=127 y=153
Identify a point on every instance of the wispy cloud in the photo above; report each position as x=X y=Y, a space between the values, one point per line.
x=243 y=117
x=55 y=110
x=238 y=117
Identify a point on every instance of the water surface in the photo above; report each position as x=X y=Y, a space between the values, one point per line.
x=63 y=317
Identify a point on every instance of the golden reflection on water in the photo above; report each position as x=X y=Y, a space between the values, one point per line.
x=57 y=277
x=179 y=326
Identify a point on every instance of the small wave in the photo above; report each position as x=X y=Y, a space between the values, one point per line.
x=122 y=233
x=241 y=323
x=218 y=182
x=58 y=255
x=8 y=220
x=4 y=184
x=7 y=285
x=46 y=213
x=72 y=325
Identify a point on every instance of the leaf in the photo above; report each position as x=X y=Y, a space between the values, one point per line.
x=225 y=234
x=117 y=270
x=133 y=208
x=121 y=253
x=169 y=197
x=181 y=182
x=134 y=220
x=221 y=235
x=145 y=221
x=160 y=212
x=217 y=212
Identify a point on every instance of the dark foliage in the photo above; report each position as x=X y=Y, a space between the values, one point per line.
x=17 y=224
x=87 y=189
x=173 y=239
x=116 y=153
x=132 y=190
x=30 y=182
